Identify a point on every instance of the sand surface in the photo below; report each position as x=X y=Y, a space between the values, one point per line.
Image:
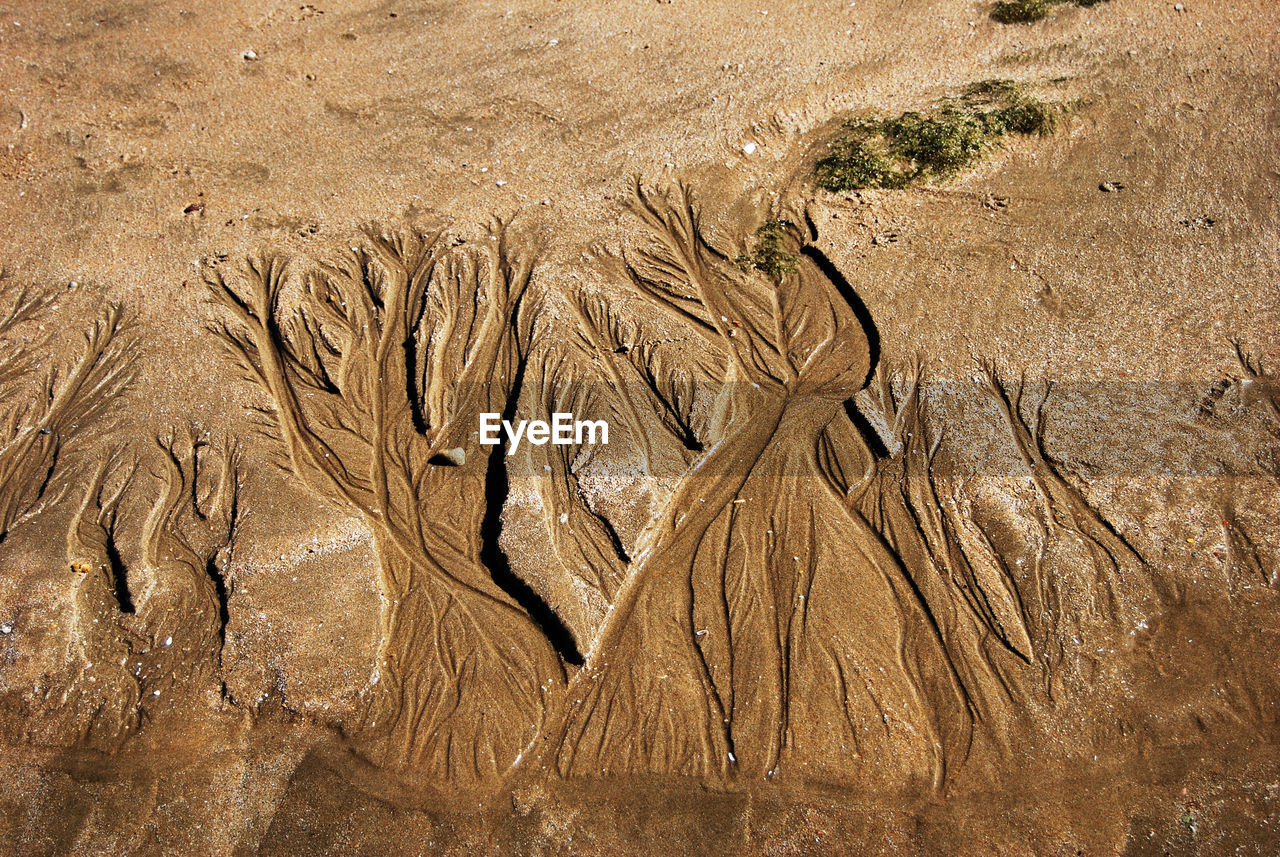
x=263 y=591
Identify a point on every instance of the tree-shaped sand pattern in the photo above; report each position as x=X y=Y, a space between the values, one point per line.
x=378 y=381
x=762 y=628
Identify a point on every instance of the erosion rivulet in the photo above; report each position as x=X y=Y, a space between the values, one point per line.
x=798 y=588
x=377 y=385
x=938 y=514
x=132 y=645
x=808 y=601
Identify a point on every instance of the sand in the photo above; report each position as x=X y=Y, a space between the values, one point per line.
x=954 y=535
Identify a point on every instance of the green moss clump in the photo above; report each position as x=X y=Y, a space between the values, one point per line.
x=1028 y=117
x=899 y=151
x=859 y=159
x=939 y=144
x=991 y=93
x=1007 y=109
x=1019 y=11
x=772 y=253
x=1030 y=11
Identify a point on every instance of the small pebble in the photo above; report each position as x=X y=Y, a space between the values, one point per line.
x=6 y=628
x=250 y=56
x=748 y=148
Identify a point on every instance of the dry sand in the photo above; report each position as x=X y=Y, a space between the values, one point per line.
x=225 y=633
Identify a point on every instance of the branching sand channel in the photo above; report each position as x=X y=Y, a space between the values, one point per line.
x=808 y=601
x=377 y=383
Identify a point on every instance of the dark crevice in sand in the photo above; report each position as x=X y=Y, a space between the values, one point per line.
x=119 y=573
x=869 y=435
x=220 y=589
x=810 y=225
x=497 y=486
x=412 y=392
x=845 y=288
x=619 y=549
